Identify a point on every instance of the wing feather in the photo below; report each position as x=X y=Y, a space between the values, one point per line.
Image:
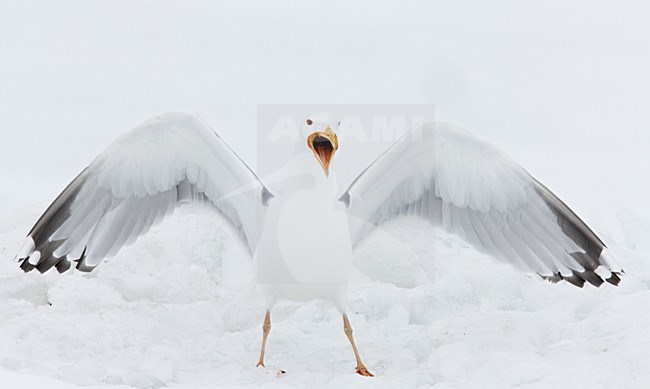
x=169 y=160
x=443 y=174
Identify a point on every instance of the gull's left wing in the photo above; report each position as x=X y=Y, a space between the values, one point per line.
x=441 y=173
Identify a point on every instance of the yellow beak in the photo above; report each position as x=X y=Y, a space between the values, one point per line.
x=324 y=145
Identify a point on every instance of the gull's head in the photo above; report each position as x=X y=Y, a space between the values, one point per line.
x=322 y=139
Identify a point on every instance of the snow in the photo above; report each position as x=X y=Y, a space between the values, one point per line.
x=21 y=381
x=427 y=310
x=561 y=87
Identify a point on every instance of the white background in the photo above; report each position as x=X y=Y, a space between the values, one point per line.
x=562 y=86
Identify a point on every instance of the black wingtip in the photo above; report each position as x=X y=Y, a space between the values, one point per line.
x=574 y=279
x=554 y=279
x=26 y=266
x=579 y=278
x=48 y=263
x=81 y=263
x=591 y=277
x=63 y=265
x=614 y=279
x=81 y=266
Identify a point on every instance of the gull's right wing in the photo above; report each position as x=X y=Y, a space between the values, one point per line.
x=170 y=159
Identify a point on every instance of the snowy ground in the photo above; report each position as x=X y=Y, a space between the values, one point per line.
x=174 y=310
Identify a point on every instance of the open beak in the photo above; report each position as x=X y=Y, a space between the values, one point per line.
x=324 y=145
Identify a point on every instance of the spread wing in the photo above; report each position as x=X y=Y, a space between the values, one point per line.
x=441 y=173
x=169 y=160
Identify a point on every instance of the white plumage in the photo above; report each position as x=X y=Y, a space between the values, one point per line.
x=305 y=251
x=302 y=236
x=443 y=174
x=169 y=160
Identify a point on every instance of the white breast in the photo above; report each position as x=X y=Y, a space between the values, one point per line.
x=305 y=251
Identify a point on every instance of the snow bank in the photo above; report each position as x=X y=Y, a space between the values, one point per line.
x=175 y=310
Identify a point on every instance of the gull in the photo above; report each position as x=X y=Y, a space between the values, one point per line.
x=302 y=236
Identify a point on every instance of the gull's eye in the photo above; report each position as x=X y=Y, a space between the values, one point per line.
x=310 y=122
